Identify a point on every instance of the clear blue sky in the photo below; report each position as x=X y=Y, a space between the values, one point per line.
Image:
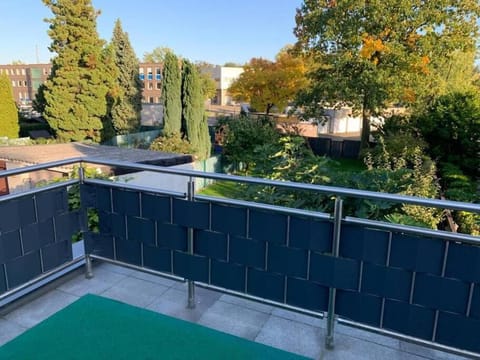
x=216 y=31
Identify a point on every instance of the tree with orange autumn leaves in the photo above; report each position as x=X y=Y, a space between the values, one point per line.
x=265 y=84
x=371 y=53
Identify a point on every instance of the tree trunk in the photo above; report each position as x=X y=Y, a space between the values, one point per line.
x=365 y=136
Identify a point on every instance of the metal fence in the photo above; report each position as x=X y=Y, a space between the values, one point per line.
x=417 y=284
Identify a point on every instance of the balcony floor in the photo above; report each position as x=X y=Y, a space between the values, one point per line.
x=262 y=323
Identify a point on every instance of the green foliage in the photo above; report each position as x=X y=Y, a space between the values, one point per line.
x=368 y=55
x=451 y=126
x=126 y=98
x=75 y=93
x=157 y=55
x=171 y=92
x=172 y=143
x=8 y=110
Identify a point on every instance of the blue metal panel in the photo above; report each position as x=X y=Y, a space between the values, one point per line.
x=88 y=196
x=35 y=236
x=112 y=224
x=191 y=267
x=247 y=252
x=23 y=269
x=266 y=285
x=287 y=261
x=191 y=214
x=475 y=310
x=3 y=284
x=103 y=198
x=172 y=237
x=229 y=220
x=229 y=276
x=311 y=234
x=10 y=246
x=99 y=244
x=359 y=307
x=417 y=253
x=56 y=254
x=157 y=259
x=307 y=295
x=156 y=207
x=364 y=244
x=334 y=272
x=458 y=331
x=441 y=293
x=51 y=203
x=26 y=210
x=66 y=225
x=409 y=319
x=141 y=230
x=126 y=202
x=268 y=226
x=128 y=251
x=9 y=219
x=387 y=282
x=463 y=262
x=211 y=244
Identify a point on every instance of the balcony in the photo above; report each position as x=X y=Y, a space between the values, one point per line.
x=319 y=285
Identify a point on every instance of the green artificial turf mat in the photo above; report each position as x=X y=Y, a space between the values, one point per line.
x=94 y=327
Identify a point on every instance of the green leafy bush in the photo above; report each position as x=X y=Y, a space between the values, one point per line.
x=172 y=143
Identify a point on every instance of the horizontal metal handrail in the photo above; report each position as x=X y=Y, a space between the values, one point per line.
x=37 y=167
x=37 y=190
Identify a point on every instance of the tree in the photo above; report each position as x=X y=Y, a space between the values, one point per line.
x=157 y=55
x=209 y=86
x=265 y=84
x=369 y=54
x=171 y=93
x=126 y=101
x=8 y=110
x=195 y=127
x=75 y=93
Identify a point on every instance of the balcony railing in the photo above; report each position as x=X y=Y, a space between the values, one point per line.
x=411 y=283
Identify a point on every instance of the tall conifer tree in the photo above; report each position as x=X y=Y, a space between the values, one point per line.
x=171 y=93
x=8 y=110
x=126 y=100
x=75 y=93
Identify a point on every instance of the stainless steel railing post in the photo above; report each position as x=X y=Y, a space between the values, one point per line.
x=191 y=283
x=329 y=339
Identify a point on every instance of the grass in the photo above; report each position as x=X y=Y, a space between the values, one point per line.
x=223 y=189
x=349 y=165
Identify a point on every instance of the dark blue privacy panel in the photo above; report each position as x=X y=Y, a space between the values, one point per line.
x=128 y=251
x=37 y=235
x=141 y=230
x=334 y=272
x=112 y=224
x=362 y=308
x=266 y=285
x=229 y=219
x=191 y=267
x=23 y=269
x=227 y=275
x=67 y=225
x=287 y=261
x=156 y=207
x=126 y=202
x=463 y=262
x=96 y=196
x=247 y=252
x=420 y=254
x=211 y=244
x=392 y=283
x=10 y=217
x=172 y=237
x=3 y=283
x=157 y=259
x=191 y=214
x=310 y=234
x=475 y=310
x=307 y=295
x=268 y=226
x=56 y=254
x=441 y=293
x=409 y=319
x=10 y=246
x=99 y=244
x=364 y=244
x=458 y=331
x=51 y=203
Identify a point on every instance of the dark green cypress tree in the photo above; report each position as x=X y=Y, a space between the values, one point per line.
x=171 y=94
x=75 y=93
x=126 y=101
x=194 y=123
x=8 y=110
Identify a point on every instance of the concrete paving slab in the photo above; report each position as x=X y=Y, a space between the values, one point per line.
x=249 y=304
x=9 y=330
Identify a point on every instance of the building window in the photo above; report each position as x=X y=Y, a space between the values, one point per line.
x=142 y=75
x=45 y=71
x=23 y=71
x=158 y=74
x=150 y=99
x=13 y=83
x=159 y=86
x=18 y=71
x=149 y=73
x=150 y=85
